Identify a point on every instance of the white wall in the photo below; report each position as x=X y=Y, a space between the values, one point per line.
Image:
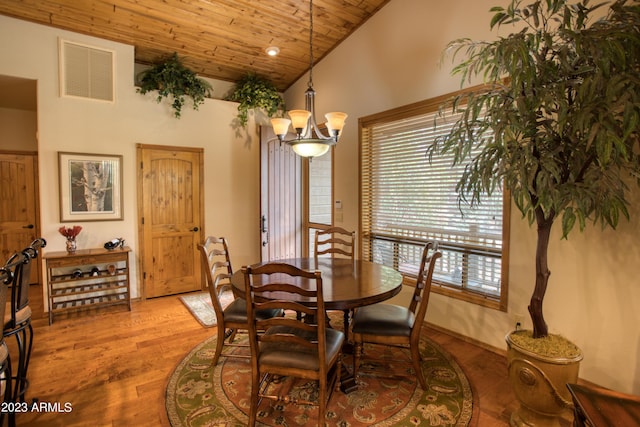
x=17 y=129
x=76 y=125
x=593 y=297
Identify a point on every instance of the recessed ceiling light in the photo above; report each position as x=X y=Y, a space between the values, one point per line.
x=272 y=50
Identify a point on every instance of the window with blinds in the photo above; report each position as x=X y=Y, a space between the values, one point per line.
x=408 y=199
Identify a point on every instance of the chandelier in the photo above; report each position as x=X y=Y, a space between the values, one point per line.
x=309 y=140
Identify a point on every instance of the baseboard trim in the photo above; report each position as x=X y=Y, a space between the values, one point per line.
x=485 y=346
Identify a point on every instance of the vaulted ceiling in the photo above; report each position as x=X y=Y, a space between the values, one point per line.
x=221 y=39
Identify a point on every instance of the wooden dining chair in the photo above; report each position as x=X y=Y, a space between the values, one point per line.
x=394 y=325
x=232 y=318
x=289 y=346
x=336 y=242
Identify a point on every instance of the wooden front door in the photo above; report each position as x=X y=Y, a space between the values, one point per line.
x=280 y=198
x=170 y=206
x=18 y=205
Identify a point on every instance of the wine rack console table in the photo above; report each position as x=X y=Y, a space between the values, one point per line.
x=87 y=278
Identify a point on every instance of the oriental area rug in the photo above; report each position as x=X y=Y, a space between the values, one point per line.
x=200 y=395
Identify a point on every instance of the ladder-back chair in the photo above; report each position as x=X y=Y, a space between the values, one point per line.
x=289 y=346
x=217 y=268
x=394 y=325
x=336 y=242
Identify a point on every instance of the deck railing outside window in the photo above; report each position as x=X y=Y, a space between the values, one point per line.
x=475 y=269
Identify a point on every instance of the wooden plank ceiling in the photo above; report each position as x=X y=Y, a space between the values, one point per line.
x=222 y=39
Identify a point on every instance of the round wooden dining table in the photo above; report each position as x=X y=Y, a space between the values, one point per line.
x=346 y=284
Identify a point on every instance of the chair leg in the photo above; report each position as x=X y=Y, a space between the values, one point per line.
x=17 y=386
x=23 y=363
x=255 y=390
x=18 y=369
x=29 y=347
x=219 y=344
x=322 y=403
x=415 y=361
x=8 y=393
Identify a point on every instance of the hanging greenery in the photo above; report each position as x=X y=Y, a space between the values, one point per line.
x=171 y=78
x=255 y=92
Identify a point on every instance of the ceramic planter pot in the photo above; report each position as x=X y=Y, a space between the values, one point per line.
x=539 y=383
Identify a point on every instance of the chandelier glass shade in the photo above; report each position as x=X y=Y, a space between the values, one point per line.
x=309 y=140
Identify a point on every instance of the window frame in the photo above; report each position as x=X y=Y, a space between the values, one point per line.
x=431 y=106
x=307 y=224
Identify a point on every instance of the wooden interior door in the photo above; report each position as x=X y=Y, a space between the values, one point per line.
x=18 y=205
x=170 y=209
x=280 y=198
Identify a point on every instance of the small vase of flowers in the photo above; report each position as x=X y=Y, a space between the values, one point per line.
x=70 y=233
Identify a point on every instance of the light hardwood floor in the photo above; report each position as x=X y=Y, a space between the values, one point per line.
x=111 y=365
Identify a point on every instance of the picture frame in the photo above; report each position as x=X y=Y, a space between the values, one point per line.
x=90 y=187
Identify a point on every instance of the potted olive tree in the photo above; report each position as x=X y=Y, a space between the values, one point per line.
x=559 y=118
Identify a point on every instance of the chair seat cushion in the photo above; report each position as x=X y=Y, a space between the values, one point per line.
x=4 y=355
x=22 y=316
x=297 y=356
x=383 y=319
x=237 y=312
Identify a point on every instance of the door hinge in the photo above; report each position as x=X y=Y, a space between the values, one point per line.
x=142 y=220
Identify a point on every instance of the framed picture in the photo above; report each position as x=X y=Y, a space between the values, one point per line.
x=90 y=187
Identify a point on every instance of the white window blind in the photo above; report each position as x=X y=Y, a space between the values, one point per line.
x=408 y=200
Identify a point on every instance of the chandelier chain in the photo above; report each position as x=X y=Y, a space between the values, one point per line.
x=310 y=84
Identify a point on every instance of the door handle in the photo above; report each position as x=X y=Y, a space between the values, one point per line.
x=194 y=229
x=263 y=229
x=28 y=226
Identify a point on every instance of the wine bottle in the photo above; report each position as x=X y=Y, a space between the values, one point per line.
x=113 y=243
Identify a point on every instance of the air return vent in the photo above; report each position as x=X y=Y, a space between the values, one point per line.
x=86 y=72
